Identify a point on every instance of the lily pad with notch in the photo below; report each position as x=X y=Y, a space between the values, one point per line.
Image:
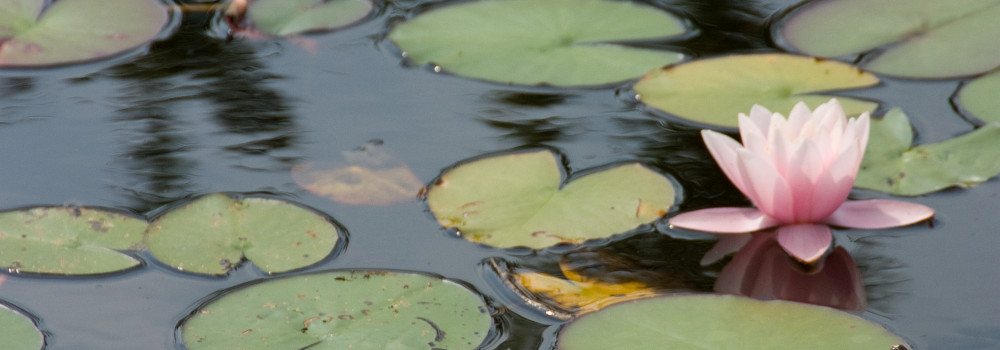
x=212 y=235
x=69 y=240
x=529 y=42
x=978 y=98
x=722 y=322
x=914 y=39
x=40 y=32
x=715 y=91
x=354 y=309
x=894 y=165
x=520 y=199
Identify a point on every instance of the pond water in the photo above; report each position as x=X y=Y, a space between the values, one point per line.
x=198 y=114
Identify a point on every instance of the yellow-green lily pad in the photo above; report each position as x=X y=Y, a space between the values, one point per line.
x=40 y=32
x=212 y=235
x=529 y=42
x=18 y=332
x=286 y=17
x=715 y=91
x=361 y=310
x=894 y=165
x=520 y=199
x=914 y=38
x=723 y=322
x=69 y=240
x=980 y=98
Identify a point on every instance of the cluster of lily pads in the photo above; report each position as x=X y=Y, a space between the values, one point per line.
x=514 y=199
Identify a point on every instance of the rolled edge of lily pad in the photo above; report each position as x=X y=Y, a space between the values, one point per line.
x=798 y=173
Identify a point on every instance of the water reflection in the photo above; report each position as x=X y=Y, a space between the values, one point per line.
x=725 y=26
x=166 y=95
x=762 y=270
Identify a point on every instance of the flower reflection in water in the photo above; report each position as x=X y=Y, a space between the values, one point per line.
x=762 y=270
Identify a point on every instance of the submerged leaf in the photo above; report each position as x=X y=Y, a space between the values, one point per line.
x=556 y=42
x=716 y=90
x=891 y=164
x=916 y=38
x=576 y=293
x=18 y=332
x=66 y=31
x=69 y=240
x=342 y=310
x=516 y=200
x=212 y=235
x=722 y=322
x=367 y=176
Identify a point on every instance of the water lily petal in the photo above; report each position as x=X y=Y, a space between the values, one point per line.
x=723 y=149
x=862 y=127
x=805 y=169
x=797 y=118
x=878 y=213
x=760 y=116
x=724 y=220
x=752 y=136
x=834 y=185
x=805 y=242
x=727 y=244
x=766 y=188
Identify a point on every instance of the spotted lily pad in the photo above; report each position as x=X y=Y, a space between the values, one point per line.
x=892 y=164
x=715 y=91
x=722 y=322
x=286 y=17
x=18 y=332
x=212 y=234
x=40 y=32
x=69 y=240
x=916 y=38
x=555 y=42
x=520 y=200
x=342 y=310
x=978 y=98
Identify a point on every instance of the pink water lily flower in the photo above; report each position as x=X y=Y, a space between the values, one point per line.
x=797 y=172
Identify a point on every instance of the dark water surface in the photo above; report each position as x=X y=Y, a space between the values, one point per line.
x=198 y=114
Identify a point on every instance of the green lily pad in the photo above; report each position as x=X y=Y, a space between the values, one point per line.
x=891 y=164
x=342 y=310
x=18 y=332
x=555 y=42
x=722 y=322
x=715 y=91
x=286 y=17
x=520 y=200
x=917 y=38
x=215 y=232
x=979 y=98
x=69 y=240
x=39 y=32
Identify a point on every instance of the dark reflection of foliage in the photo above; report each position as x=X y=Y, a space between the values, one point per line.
x=527 y=99
x=653 y=259
x=679 y=150
x=724 y=26
x=191 y=66
x=10 y=87
x=882 y=274
x=534 y=132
